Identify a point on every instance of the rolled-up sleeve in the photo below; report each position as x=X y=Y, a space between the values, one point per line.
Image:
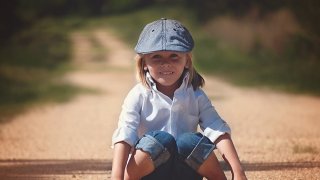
x=129 y=119
x=211 y=123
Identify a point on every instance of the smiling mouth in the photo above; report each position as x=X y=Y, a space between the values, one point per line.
x=166 y=73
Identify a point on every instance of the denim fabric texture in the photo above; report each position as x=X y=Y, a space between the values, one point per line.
x=164 y=35
x=200 y=152
x=158 y=151
x=175 y=159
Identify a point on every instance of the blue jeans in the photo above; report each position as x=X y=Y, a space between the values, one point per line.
x=175 y=159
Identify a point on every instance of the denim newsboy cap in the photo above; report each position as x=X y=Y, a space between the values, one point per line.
x=164 y=35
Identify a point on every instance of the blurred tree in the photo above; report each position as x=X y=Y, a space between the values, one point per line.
x=308 y=13
x=208 y=8
x=9 y=21
x=16 y=14
x=19 y=14
x=120 y=5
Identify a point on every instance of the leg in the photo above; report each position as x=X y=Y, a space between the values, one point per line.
x=139 y=165
x=153 y=157
x=211 y=168
x=196 y=151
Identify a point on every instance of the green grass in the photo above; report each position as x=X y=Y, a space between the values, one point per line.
x=32 y=64
x=261 y=69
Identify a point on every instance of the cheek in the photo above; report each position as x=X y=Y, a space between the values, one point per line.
x=148 y=66
x=151 y=70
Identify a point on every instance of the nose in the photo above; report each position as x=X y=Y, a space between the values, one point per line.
x=165 y=63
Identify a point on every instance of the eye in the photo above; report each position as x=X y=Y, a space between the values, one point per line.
x=174 y=56
x=156 y=56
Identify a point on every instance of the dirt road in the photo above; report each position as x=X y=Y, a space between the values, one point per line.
x=276 y=134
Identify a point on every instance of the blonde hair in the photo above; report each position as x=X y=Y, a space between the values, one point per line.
x=195 y=79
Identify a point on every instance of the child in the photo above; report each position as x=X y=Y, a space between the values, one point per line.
x=157 y=136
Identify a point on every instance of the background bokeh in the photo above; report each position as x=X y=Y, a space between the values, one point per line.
x=273 y=44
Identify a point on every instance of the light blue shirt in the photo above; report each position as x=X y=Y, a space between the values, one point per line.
x=147 y=110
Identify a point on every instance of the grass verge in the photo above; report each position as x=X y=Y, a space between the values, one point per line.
x=32 y=65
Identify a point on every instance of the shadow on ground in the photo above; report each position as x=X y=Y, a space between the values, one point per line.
x=34 y=168
x=42 y=167
x=274 y=166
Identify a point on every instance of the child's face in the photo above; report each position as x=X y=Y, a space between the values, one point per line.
x=166 y=67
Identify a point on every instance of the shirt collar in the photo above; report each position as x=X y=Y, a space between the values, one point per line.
x=150 y=81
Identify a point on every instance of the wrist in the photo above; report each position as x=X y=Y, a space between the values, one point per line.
x=239 y=175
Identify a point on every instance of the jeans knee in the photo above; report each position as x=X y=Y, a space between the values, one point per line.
x=160 y=145
x=166 y=139
x=187 y=142
x=194 y=148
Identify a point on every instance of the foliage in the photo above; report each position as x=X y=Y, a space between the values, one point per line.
x=17 y=14
x=31 y=65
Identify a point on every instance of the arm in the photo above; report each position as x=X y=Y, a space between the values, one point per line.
x=120 y=158
x=217 y=130
x=229 y=153
x=125 y=136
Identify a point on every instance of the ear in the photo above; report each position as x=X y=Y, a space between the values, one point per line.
x=189 y=62
x=187 y=65
x=143 y=65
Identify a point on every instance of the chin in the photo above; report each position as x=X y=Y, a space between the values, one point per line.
x=166 y=83
x=163 y=82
